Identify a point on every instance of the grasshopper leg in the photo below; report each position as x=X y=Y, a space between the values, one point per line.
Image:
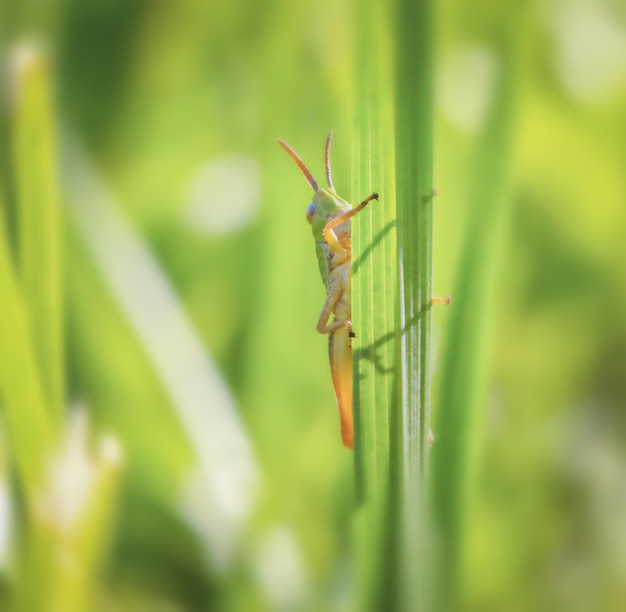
x=329 y=229
x=323 y=327
x=441 y=300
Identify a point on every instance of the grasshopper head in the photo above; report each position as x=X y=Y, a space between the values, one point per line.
x=326 y=204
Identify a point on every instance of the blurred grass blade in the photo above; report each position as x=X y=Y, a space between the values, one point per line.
x=228 y=473
x=76 y=588
x=374 y=299
x=30 y=433
x=464 y=376
x=28 y=414
x=70 y=535
x=38 y=217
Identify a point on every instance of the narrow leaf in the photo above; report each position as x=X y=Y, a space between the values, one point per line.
x=392 y=267
x=464 y=377
x=26 y=412
x=414 y=172
x=38 y=217
x=374 y=298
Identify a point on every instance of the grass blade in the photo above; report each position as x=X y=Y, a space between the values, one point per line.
x=27 y=417
x=414 y=172
x=66 y=544
x=36 y=190
x=68 y=518
x=374 y=303
x=465 y=370
x=392 y=268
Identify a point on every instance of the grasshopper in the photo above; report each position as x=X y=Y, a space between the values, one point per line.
x=329 y=216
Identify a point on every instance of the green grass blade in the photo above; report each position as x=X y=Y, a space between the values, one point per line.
x=68 y=519
x=392 y=266
x=374 y=302
x=414 y=172
x=26 y=412
x=67 y=542
x=464 y=377
x=38 y=216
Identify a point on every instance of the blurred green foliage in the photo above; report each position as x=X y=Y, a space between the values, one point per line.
x=174 y=109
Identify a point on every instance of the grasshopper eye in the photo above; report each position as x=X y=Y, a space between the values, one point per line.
x=310 y=212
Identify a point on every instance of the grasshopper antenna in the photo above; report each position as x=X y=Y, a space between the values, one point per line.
x=296 y=158
x=329 y=178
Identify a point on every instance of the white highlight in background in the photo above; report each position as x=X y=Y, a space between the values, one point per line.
x=278 y=568
x=466 y=86
x=6 y=523
x=590 y=48
x=224 y=195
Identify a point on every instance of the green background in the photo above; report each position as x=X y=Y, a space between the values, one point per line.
x=167 y=115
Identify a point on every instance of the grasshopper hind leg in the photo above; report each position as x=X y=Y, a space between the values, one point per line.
x=323 y=326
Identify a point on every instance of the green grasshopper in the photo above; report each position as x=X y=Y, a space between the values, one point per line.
x=329 y=216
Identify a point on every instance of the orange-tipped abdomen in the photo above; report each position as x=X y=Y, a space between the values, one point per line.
x=340 y=355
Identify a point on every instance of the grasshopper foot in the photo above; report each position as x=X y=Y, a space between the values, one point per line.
x=441 y=300
x=351 y=334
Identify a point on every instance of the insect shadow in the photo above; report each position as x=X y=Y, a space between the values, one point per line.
x=372 y=245
x=370 y=352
